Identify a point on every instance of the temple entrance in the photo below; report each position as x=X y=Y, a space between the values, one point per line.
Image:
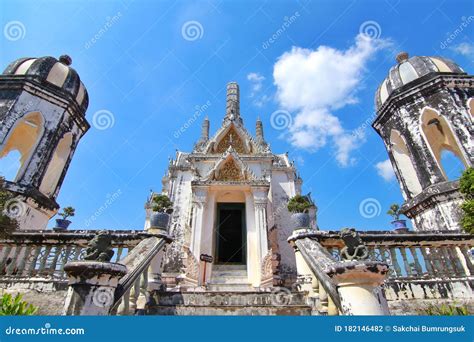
x=231 y=234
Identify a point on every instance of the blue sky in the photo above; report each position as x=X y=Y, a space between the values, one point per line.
x=149 y=64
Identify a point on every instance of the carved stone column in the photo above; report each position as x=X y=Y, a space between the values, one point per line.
x=200 y=195
x=92 y=287
x=260 y=199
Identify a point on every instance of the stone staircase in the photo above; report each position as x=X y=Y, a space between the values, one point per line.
x=228 y=292
x=212 y=303
x=229 y=278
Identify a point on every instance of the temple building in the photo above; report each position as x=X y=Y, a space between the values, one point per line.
x=230 y=196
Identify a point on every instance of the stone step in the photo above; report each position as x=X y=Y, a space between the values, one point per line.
x=227 y=267
x=215 y=287
x=230 y=303
x=181 y=310
x=229 y=273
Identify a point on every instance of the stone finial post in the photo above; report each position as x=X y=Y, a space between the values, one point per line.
x=233 y=101
x=259 y=130
x=92 y=287
x=358 y=284
x=205 y=129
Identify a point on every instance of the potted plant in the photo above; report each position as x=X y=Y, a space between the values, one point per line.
x=63 y=224
x=162 y=208
x=299 y=206
x=397 y=224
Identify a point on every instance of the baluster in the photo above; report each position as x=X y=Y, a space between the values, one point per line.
x=24 y=258
x=457 y=265
x=323 y=299
x=448 y=265
x=65 y=260
x=124 y=306
x=393 y=257
x=12 y=260
x=119 y=254
x=142 y=298
x=33 y=260
x=418 y=268
x=77 y=253
x=427 y=259
x=3 y=262
x=54 y=262
x=44 y=259
x=407 y=265
x=467 y=259
x=435 y=257
x=134 y=293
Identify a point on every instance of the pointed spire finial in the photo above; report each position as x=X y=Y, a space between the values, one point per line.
x=232 y=101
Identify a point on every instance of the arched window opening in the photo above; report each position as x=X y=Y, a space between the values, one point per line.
x=405 y=166
x=470 y=104
x=9 y=165
x=22 y=140
x=440 y=137
x=56 y=165
x=452 y=165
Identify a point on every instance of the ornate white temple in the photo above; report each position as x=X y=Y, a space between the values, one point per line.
x=230 y=196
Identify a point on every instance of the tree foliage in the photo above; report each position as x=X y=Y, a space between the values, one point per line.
x=466 y=187
x=67 y=212
x=395 y=211
x=162 y=204
x=299 y=204
x=15 y=306
x=446 y=310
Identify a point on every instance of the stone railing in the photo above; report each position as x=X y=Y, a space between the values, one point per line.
x=434 y=265
x=41 y=255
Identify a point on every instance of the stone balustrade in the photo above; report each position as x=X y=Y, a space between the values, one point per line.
x=424 y=267
x=42 y=255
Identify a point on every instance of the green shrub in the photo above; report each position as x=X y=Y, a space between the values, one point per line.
x=10 y=306
x=395 y=211
x=162 y=204
x=466 y=187
x=299 y=204
x=446 y=310
x=67 y=212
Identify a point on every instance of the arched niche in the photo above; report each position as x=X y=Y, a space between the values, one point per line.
x=23 y=138
x=439 y=137
x=452 y=165
x=402 y=157
x=470 y=105
x=56 y=165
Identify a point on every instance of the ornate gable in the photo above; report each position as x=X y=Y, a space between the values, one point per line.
x=230 y=168
x=231 y=138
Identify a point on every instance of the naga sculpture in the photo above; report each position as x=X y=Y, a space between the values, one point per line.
x=355 y=248
x=99 y=248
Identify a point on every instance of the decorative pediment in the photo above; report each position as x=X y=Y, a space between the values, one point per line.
x=230 y=168
x=231 y=134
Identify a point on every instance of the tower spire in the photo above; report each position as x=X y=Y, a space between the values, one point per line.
x=205 y=130
x=233 y=102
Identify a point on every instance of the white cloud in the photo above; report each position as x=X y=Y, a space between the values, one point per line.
x=385 y=170
x=315 y=83
x=256 y=81
x=465 y=49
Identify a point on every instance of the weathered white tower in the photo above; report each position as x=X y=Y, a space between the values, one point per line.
x=425 y=111
x=42 y=114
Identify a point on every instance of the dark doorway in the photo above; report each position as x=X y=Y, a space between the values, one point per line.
x=230 y=234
